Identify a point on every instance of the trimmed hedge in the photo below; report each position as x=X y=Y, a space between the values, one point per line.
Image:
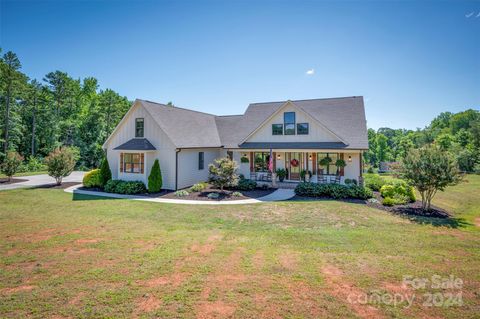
x=125 y=187
x=246 y=185
x=93 y=179
x=155 y=178
x=336 y=191
x=105 y=172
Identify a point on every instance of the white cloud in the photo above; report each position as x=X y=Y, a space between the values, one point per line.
x=310 y=72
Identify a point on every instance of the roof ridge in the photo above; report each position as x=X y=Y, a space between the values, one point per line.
x=178 y=107
x=229 y=115
x=325 y=98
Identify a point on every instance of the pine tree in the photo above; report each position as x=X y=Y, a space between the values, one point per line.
x=155 y=178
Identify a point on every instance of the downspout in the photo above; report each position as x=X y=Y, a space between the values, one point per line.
x=178 y=150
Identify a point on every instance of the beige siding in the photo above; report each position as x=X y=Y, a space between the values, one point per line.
x=316 y=132
x=165 y=149
x=188 y=172
x=352 y=170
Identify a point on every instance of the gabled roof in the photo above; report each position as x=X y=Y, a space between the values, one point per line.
x=136 y=144
x=344 y=117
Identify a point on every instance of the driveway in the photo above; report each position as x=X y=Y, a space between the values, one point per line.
x=44 y=179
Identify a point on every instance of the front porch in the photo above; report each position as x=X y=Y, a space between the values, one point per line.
x=317 y=166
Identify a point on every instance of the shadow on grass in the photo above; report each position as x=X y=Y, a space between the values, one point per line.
x=450 y=222
x=76 y=197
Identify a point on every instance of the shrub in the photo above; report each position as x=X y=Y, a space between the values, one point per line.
x=370 y=170
x=246 y=185
x=181 y=193
x=93 y=179
x=374 y=182
x=105 y=173
x=198 y=187
x=155 y=178
x=213 y=195
x=35 y=164
x=61 y=162
x=111 y=185
x=349 y=181
x=11 y=164
x=335 y=191
x=237 y=194
x=223 y=173
x=388 y=201
x=398 y=189
x=125 y=187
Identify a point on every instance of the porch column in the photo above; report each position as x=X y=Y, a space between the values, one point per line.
x=314 y=163
x=342 y=169
x=306 y=159
x=251 y=162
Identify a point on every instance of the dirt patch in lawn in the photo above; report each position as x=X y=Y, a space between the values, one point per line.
x=87 y=241
x=289 y=260
x=8 y=291
x=477 y=221
x=64 y=185
x=340 y=288
x=147 y=303
x=5 y=181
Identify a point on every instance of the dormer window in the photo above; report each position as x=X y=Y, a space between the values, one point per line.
x=302 y=128
x=139 y=126
x=289 y=123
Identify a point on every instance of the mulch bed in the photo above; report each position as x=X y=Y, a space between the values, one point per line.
x=64 y=185
x=226 y=195
x=409 y=209
x=4 y=181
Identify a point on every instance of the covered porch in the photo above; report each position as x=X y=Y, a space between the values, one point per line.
x=318 y=166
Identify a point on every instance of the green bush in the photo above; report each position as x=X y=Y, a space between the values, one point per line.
x=237 y=194
x=349 y=181
x=125 y=187
x=399 y=190
x=105 y=173
x=388 y=201
x=181 y=193
x=198 y=187
x=155 y=178
x=34 y=164
x=10 y=165
x=246 y=185
x=213 y=195
x=93 y=179
x=336 y=191
x=374 y=182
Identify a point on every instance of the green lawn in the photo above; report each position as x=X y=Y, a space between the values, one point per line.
x=25 y=174
x=89 y=257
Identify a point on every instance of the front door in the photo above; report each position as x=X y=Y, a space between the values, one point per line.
x=294 y=164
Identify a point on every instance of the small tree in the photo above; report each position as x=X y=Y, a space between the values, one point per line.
x=12 y=162
x=429 y=170
x=155 y=178
x=223 y=173
x=61 y=162
x=105 y=173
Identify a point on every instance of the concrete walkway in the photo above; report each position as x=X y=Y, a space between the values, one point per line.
x=278 y=195
x=44 y=179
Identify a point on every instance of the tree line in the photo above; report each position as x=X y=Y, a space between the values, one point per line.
x=38 y=116
x=455 y=133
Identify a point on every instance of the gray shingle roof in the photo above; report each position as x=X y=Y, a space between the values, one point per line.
x=293 y=145
x=136 y=144
x=344 y=116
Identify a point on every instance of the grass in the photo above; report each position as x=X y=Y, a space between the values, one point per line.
x=91 y=257
x=25 y=174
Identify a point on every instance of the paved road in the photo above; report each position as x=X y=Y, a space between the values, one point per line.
x=39 y=180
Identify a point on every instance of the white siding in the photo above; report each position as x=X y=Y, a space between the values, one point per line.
x=188 y=172
x=352 y=170
x=316 y=132
x=165 y=152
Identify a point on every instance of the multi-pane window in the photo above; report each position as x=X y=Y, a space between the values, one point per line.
x=201 y=160
x=277 y=129
x=330 y=168
x=132 y=163
x=139 y=125
x=302 y=128
x=261 y=161
x=289 y=123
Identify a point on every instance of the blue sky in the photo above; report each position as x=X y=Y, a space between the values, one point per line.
x=410 y=60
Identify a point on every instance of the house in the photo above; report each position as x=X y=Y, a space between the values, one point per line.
x=298 y=134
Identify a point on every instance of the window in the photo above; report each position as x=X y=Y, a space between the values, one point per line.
x=302 y=128
x=289 y=123
x=201 y=160
x=139 y=127
x=331 y=168
x=132 y=163
x=277 y=129
x=261 y=161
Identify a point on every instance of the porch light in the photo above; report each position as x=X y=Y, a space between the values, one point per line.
x=349 y=158
x=310 y=156
x=278 y=156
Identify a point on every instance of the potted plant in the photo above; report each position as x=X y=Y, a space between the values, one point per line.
x=303 y=173
x=325 y=161
x=281 y=173
x=309 y=175
x=340 y=163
